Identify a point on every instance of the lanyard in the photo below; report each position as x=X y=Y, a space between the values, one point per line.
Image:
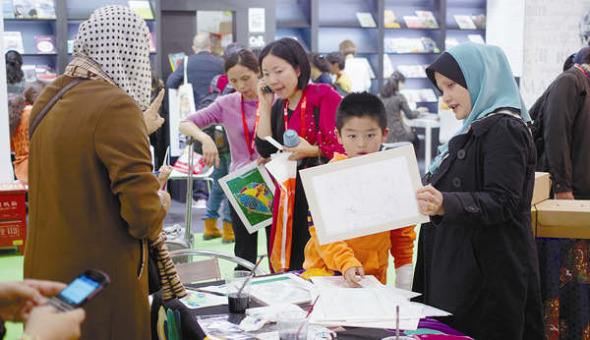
x=302 y=113
x=250 y=141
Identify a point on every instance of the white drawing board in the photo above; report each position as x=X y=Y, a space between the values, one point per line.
x=364 y=195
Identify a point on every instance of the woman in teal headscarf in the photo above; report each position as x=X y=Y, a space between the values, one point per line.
x=477 y=258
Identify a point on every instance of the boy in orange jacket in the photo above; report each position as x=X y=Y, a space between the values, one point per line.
x=361 y=124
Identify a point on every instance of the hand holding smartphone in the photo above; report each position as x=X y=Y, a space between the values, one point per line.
x=80 y=291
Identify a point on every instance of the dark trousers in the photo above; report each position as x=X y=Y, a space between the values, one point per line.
x=246 y=244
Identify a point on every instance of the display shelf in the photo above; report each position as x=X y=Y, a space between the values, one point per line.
x=293 y=18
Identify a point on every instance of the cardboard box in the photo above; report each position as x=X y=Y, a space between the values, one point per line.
x=534 y=219
x=563 y=219
x=542 y=187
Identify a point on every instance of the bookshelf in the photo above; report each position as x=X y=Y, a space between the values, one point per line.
x=322 y=24
x=69 y=14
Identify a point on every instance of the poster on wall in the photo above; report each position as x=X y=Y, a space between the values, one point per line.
x=256 y=23
x=250 y=191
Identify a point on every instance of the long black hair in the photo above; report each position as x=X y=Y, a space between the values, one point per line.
x=392 y=86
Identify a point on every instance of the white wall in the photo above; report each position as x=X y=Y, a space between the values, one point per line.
x=550 y=35
x=505 y=28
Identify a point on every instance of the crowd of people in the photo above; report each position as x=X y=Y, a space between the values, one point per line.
x=476 y=257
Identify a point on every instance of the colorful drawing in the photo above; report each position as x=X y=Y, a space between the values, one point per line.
x=250 y=191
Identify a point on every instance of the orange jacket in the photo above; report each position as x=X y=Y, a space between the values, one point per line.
x=371 y=251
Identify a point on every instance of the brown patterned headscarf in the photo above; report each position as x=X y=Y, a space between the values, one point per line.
x=113 y=45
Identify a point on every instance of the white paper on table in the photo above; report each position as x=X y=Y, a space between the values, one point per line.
x=364 y=195
x=362 y=304
x=279 y=289
x=369 y=281
x=406 y=324
x=429 y=311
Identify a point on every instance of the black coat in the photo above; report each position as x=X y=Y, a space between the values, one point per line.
x=566 y=122
x=480 y=257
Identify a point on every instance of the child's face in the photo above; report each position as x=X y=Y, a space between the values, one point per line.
x=361 y=136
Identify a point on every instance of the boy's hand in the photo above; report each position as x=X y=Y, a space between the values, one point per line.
x=163 y=174
x=353 y=276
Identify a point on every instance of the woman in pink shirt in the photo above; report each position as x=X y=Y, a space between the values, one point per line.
x=237 y=112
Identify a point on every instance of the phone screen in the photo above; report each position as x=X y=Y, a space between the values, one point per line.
x=79 y=290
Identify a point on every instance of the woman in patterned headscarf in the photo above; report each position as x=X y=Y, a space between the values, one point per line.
x=94 y=200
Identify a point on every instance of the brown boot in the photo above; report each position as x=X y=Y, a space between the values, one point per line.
x=228 y=233
x=211 y=230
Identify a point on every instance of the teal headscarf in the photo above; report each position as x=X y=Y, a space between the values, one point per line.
x=490 y=83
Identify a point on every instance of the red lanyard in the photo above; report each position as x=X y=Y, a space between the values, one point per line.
x=250 y=141
x=302 y=113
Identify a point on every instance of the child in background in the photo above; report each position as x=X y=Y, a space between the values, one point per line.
x=361 y=124
x=319 y=69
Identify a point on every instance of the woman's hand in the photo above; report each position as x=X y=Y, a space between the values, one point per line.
x=47 y=324
x=163 y=174
x=354 y=275
x=17 y=299
x=153 y=120
x=303 y=150
x=430 y=201
x=568 y=195
x=265 y=98
x=210 y=153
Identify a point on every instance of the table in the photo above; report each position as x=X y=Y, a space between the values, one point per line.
x=190 y=329
x=428 y=122
x=565 y=286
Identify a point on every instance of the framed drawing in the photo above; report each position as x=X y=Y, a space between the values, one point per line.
x=250 y=191
x=364 y=195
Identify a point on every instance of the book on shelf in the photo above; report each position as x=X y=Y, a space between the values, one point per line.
x=32 y=9
x=7 y=9
x=45 y=73
x=13 y=40
x=142 y=7
x=366 y=19
x=30 y=73
x=429 y=45
x=413 y=21
x=428 y=19
x=45 y=44
x=464 y=22
x=476 y=38
x=387 y=66
x=403 y=45
x=175 y=59
x=419 y=95
x=45 y=9
x=389 y=19
x=412 y=71
x=479 y=20
x=71 y=46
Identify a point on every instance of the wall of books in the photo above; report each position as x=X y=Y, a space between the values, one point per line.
x=44 y=34
x=402 y=35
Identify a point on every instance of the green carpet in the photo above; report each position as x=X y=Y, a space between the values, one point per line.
x=11 y=267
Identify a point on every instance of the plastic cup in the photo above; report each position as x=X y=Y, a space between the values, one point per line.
x=292 y=325
x=238 y=303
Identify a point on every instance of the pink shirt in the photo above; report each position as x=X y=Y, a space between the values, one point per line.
x=227 y=110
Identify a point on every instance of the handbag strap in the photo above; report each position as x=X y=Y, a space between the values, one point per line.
x=50 y=104
x=185 y=66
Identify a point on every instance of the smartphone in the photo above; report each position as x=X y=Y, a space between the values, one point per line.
x=267 y=89
x=80 y=291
